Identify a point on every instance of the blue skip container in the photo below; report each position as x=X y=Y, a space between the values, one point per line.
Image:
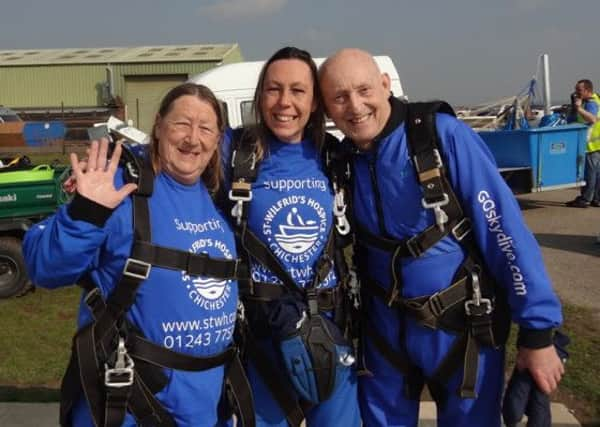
x=41 y=133
x=540 y=159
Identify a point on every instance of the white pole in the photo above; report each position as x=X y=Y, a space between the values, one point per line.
x=546 y=74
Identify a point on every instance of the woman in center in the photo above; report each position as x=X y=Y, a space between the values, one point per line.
x=300 y=364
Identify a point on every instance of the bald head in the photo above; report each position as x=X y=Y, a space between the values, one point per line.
x=349 y=57
x=356 y=95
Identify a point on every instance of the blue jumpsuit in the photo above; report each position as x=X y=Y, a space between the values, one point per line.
x=386 y=177
x=190 y=314
x=291 y=212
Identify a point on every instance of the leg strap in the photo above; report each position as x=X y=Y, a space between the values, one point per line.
x=276 y=383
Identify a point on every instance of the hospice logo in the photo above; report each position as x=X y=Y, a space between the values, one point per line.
x=295 y=228
x=208 y=292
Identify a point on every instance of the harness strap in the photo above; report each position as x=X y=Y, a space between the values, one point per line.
x=147 y=410
x=142 y=349
x=87 y=361
x=425 y=309
x=414 y=380
x=423 y=146
x=428 y=309
x=146 y=254
x=261 y=253
x=418 y=244
x=327 y=298
x=115 y=405
x=278 y=384
x=238 y=390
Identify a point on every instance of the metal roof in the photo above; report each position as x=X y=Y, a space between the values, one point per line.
x=114 y=55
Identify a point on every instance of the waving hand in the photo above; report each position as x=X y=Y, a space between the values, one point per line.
x=96 y=181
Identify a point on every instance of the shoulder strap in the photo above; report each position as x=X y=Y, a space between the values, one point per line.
x=138 y=169
x=243 y=156
x=337 y=158
x=424 y=148
x=337 y=161
x=244 y=169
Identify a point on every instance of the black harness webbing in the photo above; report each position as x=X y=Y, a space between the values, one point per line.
x=466 y=306
x=245 y=167
x=114 y=365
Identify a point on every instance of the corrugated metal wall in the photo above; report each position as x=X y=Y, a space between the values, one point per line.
x=51 y=85
x=122 y=71
x=143 y=95
x=81 y=85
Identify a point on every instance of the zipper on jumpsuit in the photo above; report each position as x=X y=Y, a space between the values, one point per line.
x=380 y=219
x=377 y=195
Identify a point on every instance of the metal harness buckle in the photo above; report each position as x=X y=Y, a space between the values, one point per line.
x=121 y=375
x=137 y=269
x=339 y=211
x=472 y=306
x=460 y=233
x=132 y=170
x=413 y=247
x=435 y=305
x=91 y=296
x=441 y=217
x=238 y=208
x=437 y=157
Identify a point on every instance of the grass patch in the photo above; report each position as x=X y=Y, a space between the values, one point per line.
x=581 y=383
x=36 y=340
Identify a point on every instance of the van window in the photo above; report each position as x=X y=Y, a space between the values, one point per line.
x=247 y=110
x=225 y=113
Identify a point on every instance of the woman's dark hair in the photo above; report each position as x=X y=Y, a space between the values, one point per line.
x=315 y=128
x=212 y=174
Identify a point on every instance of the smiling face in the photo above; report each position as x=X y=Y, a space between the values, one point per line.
x=188 y=135
x=356 y=95
x=287 y=99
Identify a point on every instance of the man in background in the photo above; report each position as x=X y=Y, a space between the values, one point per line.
x=585 y=109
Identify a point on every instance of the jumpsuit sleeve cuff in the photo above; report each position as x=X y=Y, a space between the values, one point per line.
x=534 y=338
x=84 y=209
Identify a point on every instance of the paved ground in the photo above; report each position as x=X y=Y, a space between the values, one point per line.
x=46 y=414
x=568 y=240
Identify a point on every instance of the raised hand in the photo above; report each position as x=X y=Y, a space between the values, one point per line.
x=95 y=179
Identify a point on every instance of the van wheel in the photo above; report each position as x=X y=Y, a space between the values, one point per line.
x=13 y=276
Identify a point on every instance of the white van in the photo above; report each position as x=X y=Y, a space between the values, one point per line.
x=234 y=84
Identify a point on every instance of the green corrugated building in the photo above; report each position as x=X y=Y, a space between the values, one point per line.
x=81 y=79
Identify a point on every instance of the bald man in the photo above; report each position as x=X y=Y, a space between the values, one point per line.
x=410 y=292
